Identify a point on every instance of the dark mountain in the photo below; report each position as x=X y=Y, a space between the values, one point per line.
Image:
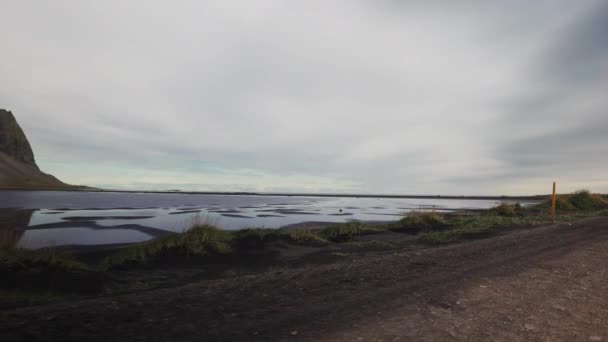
x=18 y=169
x=13 y=141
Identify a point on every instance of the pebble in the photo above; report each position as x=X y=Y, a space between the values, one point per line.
x=595 y=338
x=559 y=307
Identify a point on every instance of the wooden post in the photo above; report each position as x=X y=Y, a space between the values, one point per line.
x=553 y=204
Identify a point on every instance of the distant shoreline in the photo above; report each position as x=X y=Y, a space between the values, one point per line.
x=271 y=194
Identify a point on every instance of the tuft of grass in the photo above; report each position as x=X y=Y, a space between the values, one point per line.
x=47 y=270
x=199 y=242
x=346 y=232
x=254 y=238
x=505 y=209
x=416 y=222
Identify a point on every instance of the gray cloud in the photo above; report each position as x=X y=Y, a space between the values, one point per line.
x=392 y=96
x=581 y=51
x=557 y=124
x=564 y=148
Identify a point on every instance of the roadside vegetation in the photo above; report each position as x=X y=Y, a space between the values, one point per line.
x=206 y=243
x=202 y=242
x=581 y=200
x=570 y=207
x=49 y=270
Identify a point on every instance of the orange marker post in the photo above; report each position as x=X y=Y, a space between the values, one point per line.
x=553 y=205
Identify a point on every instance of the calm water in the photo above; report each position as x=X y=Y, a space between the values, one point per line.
x=36 y=219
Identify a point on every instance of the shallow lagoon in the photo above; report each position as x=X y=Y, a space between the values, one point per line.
x=37 y=219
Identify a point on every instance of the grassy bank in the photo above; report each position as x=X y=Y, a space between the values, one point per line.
x=204 y=244
x=490 y=222
x=208 y=244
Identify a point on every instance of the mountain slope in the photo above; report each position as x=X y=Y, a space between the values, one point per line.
x=16 y=174
x=18 y=169
x=13 y=141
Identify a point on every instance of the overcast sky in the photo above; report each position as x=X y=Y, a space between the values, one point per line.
x=433 y=97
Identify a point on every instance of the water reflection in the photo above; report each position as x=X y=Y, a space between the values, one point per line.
x=79 y=237
x=13 y=223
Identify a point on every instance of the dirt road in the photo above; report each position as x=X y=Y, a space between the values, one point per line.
x=545 y=284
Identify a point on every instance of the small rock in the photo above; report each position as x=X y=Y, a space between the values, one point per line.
x=294 y=333
x=529 y=327
x=595 y=338
x=559 y=307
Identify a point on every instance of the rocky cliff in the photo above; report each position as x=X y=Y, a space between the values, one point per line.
x=13 y=141
x=18 y=169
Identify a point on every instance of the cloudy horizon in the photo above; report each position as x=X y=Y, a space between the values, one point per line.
x=394 y=97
